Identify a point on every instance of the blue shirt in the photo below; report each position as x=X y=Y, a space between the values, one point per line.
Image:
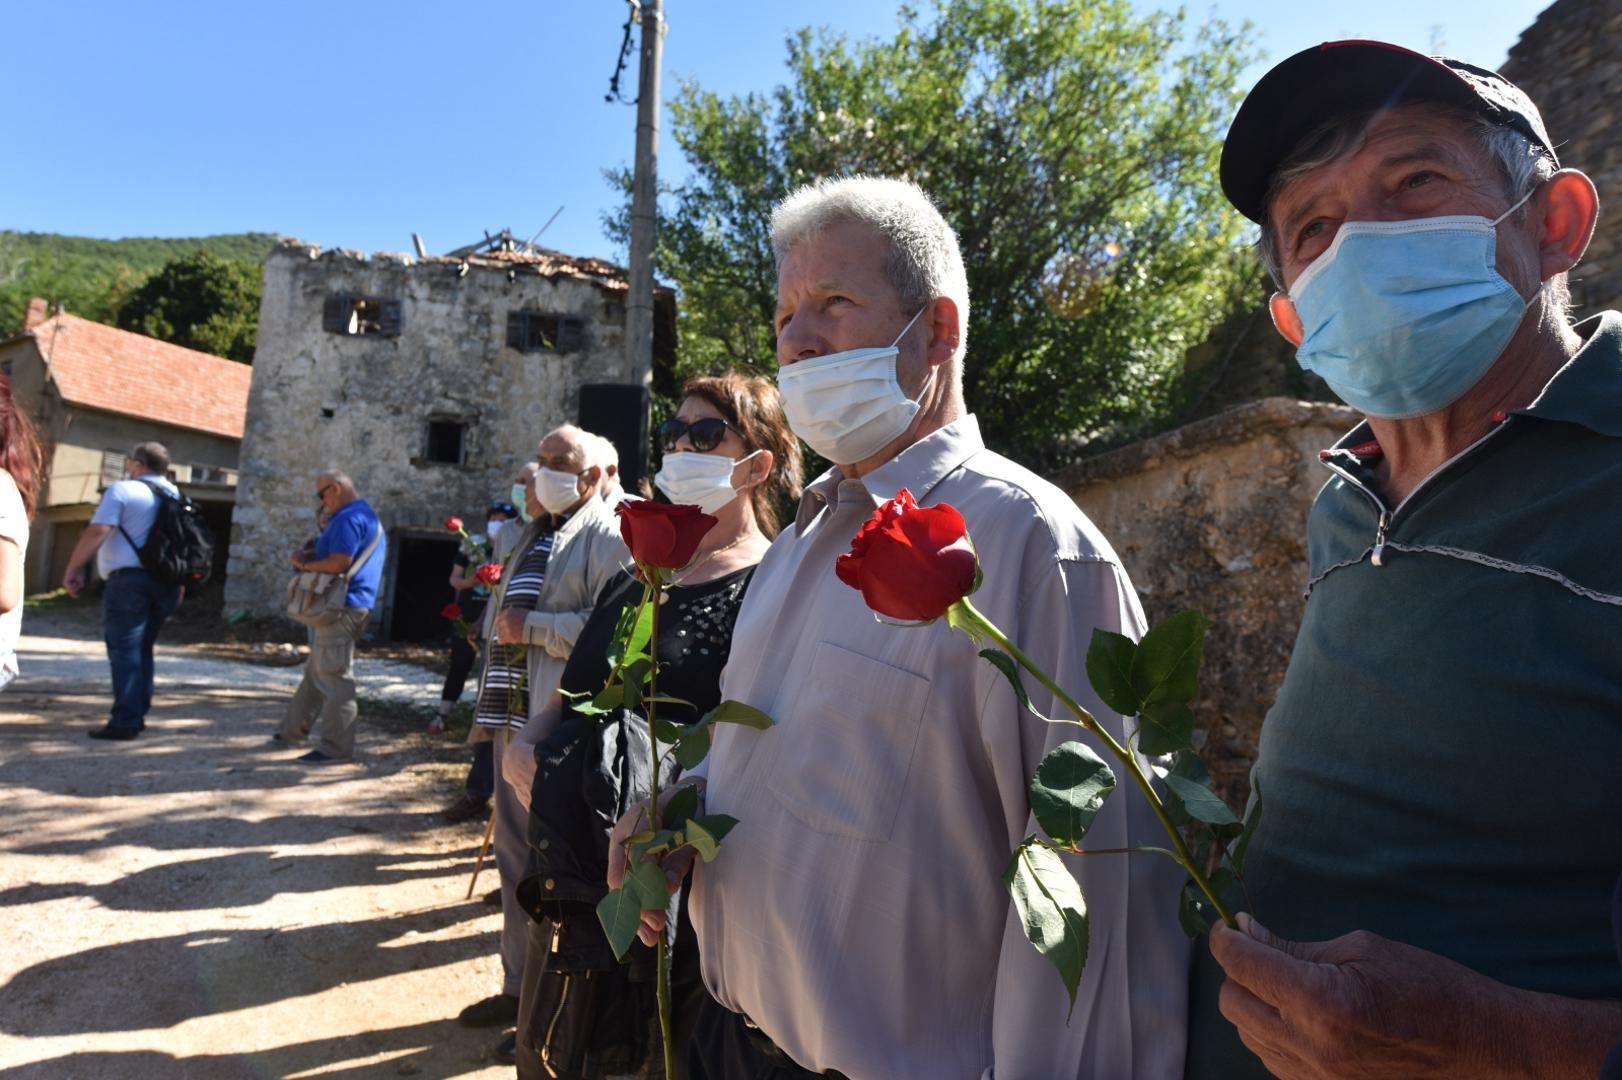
x=132 y=506
x=349 y=531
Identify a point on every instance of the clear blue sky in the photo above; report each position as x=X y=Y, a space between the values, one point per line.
x=353 y=123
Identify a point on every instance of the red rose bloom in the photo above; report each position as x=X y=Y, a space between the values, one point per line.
x=488 y=574
x=453 y=523
x=451 y=611
x=663 y=534
x=910 y=562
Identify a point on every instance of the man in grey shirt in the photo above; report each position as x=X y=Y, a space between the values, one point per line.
x=855 y=921
x=134 y=605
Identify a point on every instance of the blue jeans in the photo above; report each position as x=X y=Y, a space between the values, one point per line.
x=133 y=610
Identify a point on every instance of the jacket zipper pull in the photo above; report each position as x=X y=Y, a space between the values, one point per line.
x=557 y=933
x=1378 y=558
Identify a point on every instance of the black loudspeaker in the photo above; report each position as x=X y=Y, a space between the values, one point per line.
x=619 y=413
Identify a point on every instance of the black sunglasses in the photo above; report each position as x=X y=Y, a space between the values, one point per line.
x=705 y=434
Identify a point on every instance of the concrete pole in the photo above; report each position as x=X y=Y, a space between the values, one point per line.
x=644 y=192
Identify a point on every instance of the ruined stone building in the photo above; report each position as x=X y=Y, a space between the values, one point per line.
x=1570 y=62
x=430 y=381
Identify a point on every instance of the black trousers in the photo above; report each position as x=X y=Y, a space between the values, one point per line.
x=724 y=1047
x=462 y=657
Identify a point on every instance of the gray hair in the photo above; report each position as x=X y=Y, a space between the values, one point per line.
x=154 y=455
x=339 y=477
x=1522 y=164
x=924 y=260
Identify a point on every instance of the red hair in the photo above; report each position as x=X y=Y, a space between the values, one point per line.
x=20 y=453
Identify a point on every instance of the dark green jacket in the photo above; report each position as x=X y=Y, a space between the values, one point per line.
x=1443 y=765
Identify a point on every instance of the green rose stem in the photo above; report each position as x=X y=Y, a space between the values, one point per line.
x=651 y=593
x=1184 y=858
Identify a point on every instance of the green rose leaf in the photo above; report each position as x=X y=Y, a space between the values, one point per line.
x=682 y=805
x=1109 y=669
x=1226 y=885
x=620 y=912
x=1253 y=818
x=736 y=712
x=693 y=745
x=610 y=697
x=1200 y=801
x=1166 y=666
x=1005 y=664
x=1191 y=911
x=1068 y=789
x=667 y=732
x=1052 y=910
x=631 y=635
x=1165 y=727
x=704 y=834
x=655 y=843
x=586 y=708
x=649 y=884
x=636 y=672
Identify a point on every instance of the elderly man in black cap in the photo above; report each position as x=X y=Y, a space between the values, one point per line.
x=1442 y=767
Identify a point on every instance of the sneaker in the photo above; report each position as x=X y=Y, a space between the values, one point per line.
x=492 y=898
x=280 y=743
x=506 y=1051
x=316 y=757
x=465 y=808
x=118 y=734
x=493 y=1011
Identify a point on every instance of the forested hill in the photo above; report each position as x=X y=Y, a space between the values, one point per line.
x=95 y=277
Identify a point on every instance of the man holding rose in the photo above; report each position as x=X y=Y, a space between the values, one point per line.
x=855 y=921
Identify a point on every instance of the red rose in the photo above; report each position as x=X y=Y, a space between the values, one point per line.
x=663 y=534
x=453 y=523
x=488 y=574
x=910 y=562
x=451 y=611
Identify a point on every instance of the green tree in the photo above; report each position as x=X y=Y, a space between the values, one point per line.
x=200 y=301
x=1074 y=147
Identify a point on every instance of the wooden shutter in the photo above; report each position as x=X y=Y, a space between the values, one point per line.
x=335 y=314
x=571 y=334
x=515 y=329
x=388 y=318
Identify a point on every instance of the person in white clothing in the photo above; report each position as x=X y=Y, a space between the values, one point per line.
x=20 y=467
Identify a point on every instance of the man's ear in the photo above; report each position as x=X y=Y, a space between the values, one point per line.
x=945 y=331
x=1570 y=209
x=1285 y=318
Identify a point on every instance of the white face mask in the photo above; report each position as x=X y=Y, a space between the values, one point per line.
x=557 y=491
x=848 y=406
x=701 y=480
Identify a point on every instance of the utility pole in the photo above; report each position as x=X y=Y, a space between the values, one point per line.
x=644 y=196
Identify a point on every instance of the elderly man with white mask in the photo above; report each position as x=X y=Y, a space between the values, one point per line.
x=551 y=574
x=855 y=922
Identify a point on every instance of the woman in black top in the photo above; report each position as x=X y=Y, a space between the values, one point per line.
x=582 y=1013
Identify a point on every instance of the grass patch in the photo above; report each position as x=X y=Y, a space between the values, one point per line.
x=59 y=600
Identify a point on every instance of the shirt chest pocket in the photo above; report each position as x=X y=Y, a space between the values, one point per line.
x=843 y=764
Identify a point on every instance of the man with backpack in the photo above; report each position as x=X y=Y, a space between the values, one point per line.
x=144 y=581
x=352 y=544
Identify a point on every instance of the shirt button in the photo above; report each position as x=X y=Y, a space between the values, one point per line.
x=544 y=844
x=550 y=884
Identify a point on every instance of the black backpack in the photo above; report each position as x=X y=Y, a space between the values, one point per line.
x=180 y=548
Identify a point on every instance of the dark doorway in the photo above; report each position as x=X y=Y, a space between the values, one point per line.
x=422 y=569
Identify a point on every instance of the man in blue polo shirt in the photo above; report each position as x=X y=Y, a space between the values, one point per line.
x=134 y=606
x=352 y=543
x=1441 y=769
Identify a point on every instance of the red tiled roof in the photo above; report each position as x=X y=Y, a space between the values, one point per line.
x=103 y=367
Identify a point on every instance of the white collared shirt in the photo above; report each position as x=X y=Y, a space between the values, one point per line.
x=857 y=913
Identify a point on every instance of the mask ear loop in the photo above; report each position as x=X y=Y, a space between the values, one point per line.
x=1501 y=217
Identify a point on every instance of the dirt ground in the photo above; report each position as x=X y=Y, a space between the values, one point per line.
x=195 y=904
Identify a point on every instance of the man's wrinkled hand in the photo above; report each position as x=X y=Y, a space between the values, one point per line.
x=510 y=627
x=1354 y=1007
x=73 y=581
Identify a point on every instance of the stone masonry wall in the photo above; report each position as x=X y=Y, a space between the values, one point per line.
x=1569 y=61
x=1213 y=516
x=362 y=403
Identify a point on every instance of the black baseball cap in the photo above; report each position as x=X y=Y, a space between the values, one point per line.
x=502 y=508
x=1338 y=77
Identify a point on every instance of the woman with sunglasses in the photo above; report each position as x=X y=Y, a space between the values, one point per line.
x=728 y=450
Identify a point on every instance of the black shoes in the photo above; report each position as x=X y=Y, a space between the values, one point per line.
x=493 y=1011
x=316 y=757
x=117 y=734
x=492 y=898
x=506 y=1051
x=465 y=808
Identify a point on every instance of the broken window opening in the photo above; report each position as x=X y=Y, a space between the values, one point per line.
x=361 y=316
x=537 y=331
x=447 y=442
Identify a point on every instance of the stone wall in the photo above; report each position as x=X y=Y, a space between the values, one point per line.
x=363 y=402
x=1569 y=61
x=1213 y=516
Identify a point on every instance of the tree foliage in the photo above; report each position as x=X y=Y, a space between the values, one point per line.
x=94 y=278
x=200 y=301
x=1073 y=145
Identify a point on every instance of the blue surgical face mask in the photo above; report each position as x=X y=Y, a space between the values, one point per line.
x=519 y=501
x=1402 y=317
